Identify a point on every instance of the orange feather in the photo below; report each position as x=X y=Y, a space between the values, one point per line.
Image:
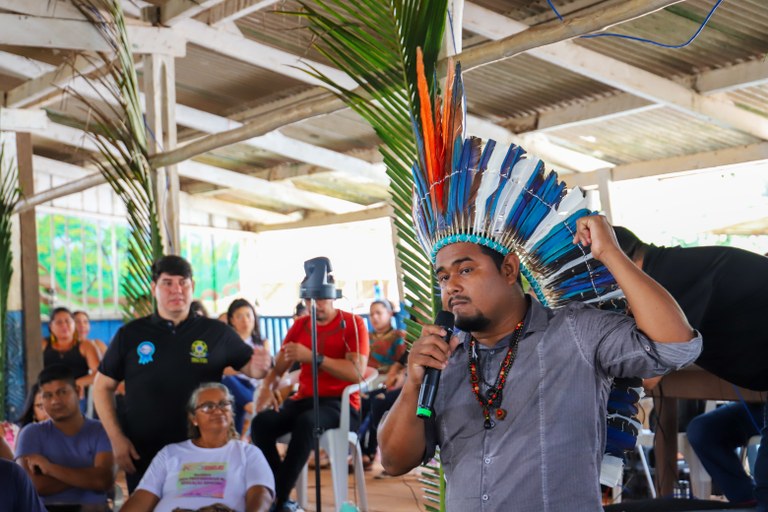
x=427 y=124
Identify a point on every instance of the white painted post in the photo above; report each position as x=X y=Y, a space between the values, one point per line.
x=160 y=91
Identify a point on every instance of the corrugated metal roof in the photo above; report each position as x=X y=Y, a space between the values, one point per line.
x=215 y=83
x=523 y=85
x=659 y=133
x=735 y=32
x=754 y=99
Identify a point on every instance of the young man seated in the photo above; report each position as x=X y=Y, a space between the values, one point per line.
x=68 y=457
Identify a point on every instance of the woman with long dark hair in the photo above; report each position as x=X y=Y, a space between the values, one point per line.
x=242 y=317
x=63 y=346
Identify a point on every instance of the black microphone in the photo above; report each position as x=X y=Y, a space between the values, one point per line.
x=428 y=391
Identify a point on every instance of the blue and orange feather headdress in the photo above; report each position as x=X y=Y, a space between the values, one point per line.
x=467 y=191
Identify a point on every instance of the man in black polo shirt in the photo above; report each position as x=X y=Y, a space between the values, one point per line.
x=162 y=358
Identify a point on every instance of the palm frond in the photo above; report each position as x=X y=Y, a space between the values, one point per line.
x=375 y=43
x=9 y=198
x=117 y=127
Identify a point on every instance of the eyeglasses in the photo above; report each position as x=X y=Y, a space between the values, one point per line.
x=209 y=407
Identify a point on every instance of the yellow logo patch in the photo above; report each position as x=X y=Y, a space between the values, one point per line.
x=199 y=352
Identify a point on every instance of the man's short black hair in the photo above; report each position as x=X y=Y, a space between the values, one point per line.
x=56 y=372
x=498 y=260
x=496 y=256
x=172 y=265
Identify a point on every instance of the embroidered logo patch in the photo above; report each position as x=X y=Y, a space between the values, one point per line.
x=146 y=350
x=199 y=351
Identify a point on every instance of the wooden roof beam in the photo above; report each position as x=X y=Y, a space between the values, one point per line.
x=222 y=177
x=231 y=10
x=752 y=153
x=41 y=87
x=254 y=53
x=69 y=34
x=175 y=11
x=83 y=178
x=730 y=78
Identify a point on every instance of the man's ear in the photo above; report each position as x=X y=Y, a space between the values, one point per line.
x=510 y=268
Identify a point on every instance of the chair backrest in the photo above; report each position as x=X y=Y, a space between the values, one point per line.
x=369 y=375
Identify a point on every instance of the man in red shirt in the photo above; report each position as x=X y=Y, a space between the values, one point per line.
x=342 y=347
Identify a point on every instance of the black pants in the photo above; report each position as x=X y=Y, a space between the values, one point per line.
x=297 y=418
x=146 y=455
x=378 y=403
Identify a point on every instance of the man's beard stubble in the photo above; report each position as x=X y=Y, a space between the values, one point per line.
x=476 y=323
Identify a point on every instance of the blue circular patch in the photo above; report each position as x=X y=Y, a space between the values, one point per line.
x=146 y=350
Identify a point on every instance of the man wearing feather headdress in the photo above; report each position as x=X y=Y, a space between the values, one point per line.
x=520 y=412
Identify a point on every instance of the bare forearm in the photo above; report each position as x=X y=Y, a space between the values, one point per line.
x=272 y=379
x=258 y=499
x=47 y=485
x=141 y=501
x=104 y=402
x=401 y=433
x=343 y=369
x=93 y=478
x=656 y=312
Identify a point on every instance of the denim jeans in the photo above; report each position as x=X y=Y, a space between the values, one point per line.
x=716 y=435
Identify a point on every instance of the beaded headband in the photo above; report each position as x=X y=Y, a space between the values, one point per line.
x=467 y=191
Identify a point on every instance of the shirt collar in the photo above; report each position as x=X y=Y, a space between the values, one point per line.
x=157 y=320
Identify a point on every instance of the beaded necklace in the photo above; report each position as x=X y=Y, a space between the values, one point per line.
x=493 y=395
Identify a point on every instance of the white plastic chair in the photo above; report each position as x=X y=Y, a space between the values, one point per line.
x=336 y=442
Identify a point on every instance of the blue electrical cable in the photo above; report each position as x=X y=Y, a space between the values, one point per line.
x=644 y=40
x=554 y=10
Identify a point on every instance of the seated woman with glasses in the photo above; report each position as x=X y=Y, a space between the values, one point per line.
x=213 y=470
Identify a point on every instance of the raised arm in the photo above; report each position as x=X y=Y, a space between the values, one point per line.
x=401 y=433
x=657 y=314
x=259 y=364
x=267 y=397
x=104 y=400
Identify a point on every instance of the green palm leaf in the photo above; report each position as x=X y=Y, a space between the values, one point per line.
x=374 y=42
x=9 y=197
x=116 y=125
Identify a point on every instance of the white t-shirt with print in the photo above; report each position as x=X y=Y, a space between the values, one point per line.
x=187 y=476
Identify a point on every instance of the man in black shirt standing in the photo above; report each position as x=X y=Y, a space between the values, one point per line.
x=723 y=292
x=162 y=358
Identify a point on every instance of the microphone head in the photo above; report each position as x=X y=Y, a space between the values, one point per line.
x=444 y=319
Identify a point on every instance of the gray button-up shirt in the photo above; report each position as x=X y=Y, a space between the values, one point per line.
x=545 y=455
